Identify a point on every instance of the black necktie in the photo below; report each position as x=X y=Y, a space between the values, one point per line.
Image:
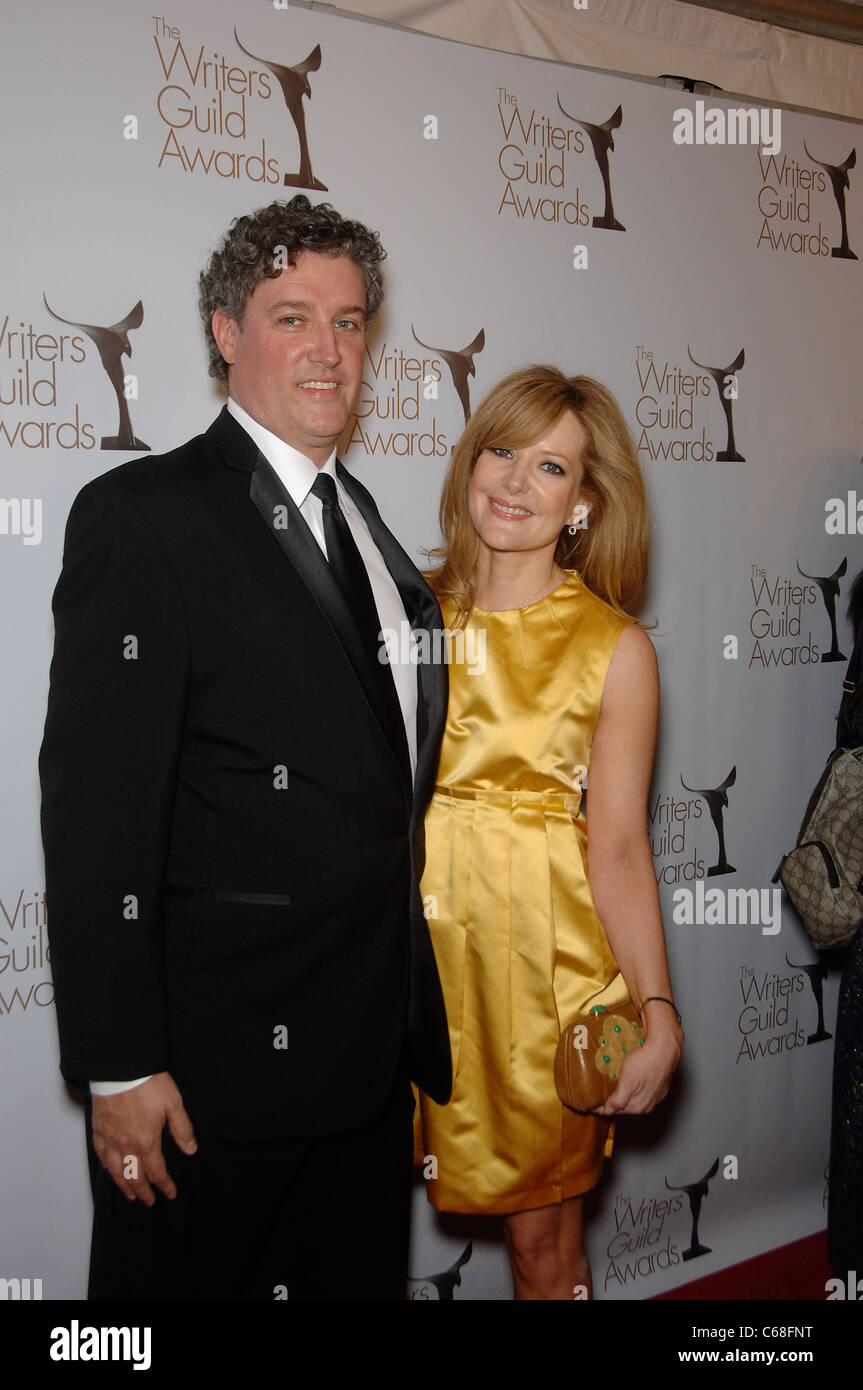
x=347 y=565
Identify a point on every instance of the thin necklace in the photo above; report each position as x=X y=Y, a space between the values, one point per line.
x=542 y=592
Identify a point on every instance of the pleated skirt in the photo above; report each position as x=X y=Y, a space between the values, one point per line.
x=521 y=951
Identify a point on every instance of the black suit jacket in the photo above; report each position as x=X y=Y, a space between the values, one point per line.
x=232 y=846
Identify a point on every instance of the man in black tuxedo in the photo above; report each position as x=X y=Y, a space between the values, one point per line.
x=233 y=792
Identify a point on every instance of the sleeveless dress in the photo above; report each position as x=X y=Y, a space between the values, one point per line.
x=519 y=945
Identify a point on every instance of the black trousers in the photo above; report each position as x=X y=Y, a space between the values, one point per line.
x=287 y=1218
x=845 y=1189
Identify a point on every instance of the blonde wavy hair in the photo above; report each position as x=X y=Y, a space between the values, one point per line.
x=611 y=552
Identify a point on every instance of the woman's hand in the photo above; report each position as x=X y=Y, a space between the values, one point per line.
x=646 y=1074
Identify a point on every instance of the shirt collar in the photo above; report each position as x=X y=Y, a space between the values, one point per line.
x=296 y=472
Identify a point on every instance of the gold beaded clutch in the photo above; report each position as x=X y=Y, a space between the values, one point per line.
x=591 y=1052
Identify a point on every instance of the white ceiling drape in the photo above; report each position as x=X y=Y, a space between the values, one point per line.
x=647 y=38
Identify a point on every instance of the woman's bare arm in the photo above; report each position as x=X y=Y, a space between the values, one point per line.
x=620 y=864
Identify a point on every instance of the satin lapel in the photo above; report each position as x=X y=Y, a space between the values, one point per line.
x=424 y=615
x=286 y=523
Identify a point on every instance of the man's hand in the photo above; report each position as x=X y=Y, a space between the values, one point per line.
x=127 y=1136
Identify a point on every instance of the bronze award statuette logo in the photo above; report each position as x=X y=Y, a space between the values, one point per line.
x=816 y=973
x=445 y=1283
x=840 y=182
x=696 y=1192
x=829 y=586
x=460 y=364
x=602 y=140
x=717 y=802
x=726 y=385
x=294 y=83
x=112 y=343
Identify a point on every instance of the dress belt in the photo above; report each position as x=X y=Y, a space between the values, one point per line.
x=555 y=801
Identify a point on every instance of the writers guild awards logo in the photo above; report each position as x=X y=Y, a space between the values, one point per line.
x=24 y=952
x=440 y=1287
x=460 y=364
x=829 y=586
x=816 y=973
x=294 y=83
x=726 y=385
x=112 y=343
x=838 y=174
x=717 y=802
x=696 y=1192
x=602 y=140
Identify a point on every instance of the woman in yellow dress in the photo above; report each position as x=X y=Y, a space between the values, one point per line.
x=552 y=686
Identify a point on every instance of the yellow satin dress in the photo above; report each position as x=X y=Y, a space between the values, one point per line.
x=519 y=945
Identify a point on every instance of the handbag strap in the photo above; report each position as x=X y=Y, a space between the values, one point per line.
x=846 y=734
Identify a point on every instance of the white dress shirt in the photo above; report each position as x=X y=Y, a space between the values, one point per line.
x=297 y=474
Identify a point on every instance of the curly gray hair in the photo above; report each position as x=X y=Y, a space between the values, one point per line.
x=256 y=246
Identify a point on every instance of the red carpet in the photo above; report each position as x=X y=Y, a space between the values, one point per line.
x=797 y=1271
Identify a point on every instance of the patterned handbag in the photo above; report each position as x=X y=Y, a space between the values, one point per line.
x=823 y=874
x=590 y=1054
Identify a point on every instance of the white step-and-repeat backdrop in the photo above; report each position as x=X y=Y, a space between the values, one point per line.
x=703 y=266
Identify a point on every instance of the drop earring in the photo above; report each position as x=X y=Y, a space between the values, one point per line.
x=578 y=520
